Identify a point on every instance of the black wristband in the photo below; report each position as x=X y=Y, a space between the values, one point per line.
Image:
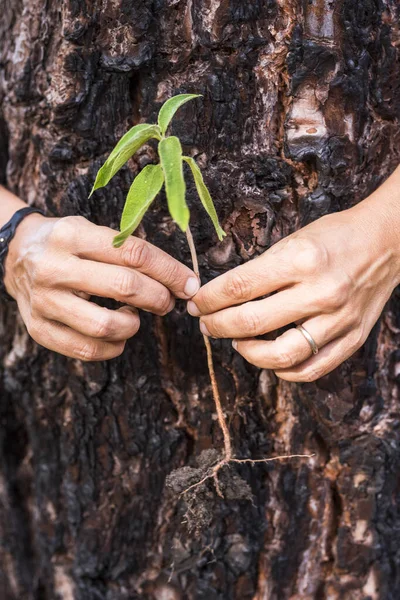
x=7 y=233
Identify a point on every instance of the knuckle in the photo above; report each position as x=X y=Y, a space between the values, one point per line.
x=119 y=348
x=309 y=257
x=358 y=339
x=311 y=374
x=135 y=325
x=325 y=300
x=136 y=253
x=103 y=327
x=330 y=300
x=65 y=228
x=335 y=296
x=213 y=325
x=249 y=321
x=124 y=283
x=283 y=360
x=34 y=329
x=238 y=286
x=164 y=301
x=75 y=219
x=88 y=352
x=353 y=319
x=173 y=272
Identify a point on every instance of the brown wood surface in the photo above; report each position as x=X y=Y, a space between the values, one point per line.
x=300 y=117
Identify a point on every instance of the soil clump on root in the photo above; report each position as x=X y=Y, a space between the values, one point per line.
x=198 y=487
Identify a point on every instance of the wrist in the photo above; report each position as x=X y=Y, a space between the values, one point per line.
x=379 y=216
x=16 y=250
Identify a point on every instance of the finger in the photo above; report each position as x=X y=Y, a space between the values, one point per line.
x=62 y=339
x=259 y=317
x=120 y=283
x=259 y=277
x=90 y=319
x=329 y=357
x=290 y=348
x=93 y=242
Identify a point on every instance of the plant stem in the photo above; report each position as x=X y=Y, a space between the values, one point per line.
x=210 y=362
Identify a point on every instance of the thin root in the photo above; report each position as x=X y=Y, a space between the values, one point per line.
x=225 y=462
x=265 y=460
x=213 y=474
x=216 y=483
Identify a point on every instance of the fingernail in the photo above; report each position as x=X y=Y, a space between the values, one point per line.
x=192 y=286
x=204 y=330
x=192 y=309
x=235 y=344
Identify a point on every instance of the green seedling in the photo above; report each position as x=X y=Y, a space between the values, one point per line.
x=151 y=179
x=144 y=189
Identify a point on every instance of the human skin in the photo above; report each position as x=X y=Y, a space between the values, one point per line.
x=333 y=276
x=53 y=267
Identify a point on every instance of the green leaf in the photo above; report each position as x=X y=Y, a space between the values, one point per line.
x=143 y=190
x=170 y=151
x=205 y=196
x=126 y=147
x=170 y=107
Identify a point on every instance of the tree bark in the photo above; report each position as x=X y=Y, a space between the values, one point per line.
x=300 y=117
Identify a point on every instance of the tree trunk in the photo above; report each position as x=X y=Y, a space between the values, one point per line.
x=300 y=117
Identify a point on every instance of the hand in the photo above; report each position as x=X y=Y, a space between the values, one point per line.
x=53 y=267
x=333 y=276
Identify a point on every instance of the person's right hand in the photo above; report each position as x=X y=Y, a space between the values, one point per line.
x=55 y=265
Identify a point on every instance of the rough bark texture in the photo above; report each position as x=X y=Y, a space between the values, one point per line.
x=300 y=117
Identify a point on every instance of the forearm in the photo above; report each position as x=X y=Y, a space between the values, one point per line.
x=9 y=204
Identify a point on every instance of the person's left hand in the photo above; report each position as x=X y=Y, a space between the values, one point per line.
x=333 y=276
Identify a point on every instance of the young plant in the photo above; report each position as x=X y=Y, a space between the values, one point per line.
x=144 y=189
x=152 y=178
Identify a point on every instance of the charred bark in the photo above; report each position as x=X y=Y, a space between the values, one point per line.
x=300 y=117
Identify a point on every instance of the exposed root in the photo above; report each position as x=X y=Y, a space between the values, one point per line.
x=189 y=481
x=265 y=460
x=194 y=484
x=225 y=461
x=214 y=475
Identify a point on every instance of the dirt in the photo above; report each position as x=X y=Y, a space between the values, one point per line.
x=201 y=499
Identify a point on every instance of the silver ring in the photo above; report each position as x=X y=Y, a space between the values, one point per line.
x=309 y=338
